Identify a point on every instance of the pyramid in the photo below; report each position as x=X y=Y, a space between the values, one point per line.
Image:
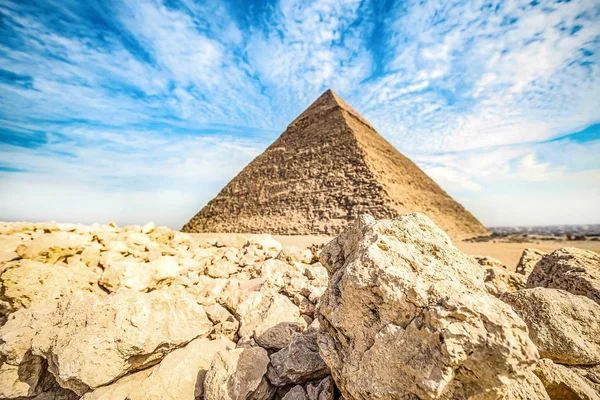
x=329 y=166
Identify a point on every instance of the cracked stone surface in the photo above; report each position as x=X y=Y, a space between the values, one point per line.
x=407 y=314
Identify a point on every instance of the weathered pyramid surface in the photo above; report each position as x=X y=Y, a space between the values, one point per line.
x=328 y=167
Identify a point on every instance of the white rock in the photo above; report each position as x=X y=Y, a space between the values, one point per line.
x=137 y=275
x=238 y=374
x=574 y=270
x=406 y=315
x=89 y=343
x=564 y=327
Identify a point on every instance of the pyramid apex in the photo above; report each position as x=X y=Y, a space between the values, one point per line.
x=326 y=101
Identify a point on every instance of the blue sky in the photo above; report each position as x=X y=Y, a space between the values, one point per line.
x=131 y=111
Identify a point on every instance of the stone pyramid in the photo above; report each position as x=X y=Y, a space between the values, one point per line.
x=329 y=166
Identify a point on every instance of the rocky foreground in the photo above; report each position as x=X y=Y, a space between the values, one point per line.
x=391 y=311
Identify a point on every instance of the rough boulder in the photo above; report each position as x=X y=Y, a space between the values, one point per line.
x=406 y=315
x=564 y=327
x=574 y=270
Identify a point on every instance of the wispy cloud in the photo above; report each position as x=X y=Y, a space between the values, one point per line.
x=120 y=101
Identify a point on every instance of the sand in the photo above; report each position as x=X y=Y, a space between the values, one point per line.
x=508 y=253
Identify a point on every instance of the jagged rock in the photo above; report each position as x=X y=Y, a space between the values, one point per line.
x=564 y=327
x=499 y=281
x=317 y=274
x=322 y=390
x=25 y=283
x=298 y=363
x=295 y=393
x=224 y=322
x=272 y=321
x=406 y=314
x=89 y=343
x=238 y=374
x=487 y=261
x=574 y=270
x=22 y=374
x=530 y=389
x=292 y=254
x=56 y=393
x=562 y=384
x=123 y=389
x=528 y=259
x=589 y=373
x=138 y=275
x=53 y=247
x=179 y=376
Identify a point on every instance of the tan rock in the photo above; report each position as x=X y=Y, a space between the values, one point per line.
x=224 y=323
x=122 y=389
x=406 y=314
x=564 y=327
x=528 y=259
x=238 y=374
x=562 y=384
x=22 y=374
x=574 y=270
x=138 y=275
x=589 y=373
x=292 y=254
x=89 y=343
x=487 y=261
x=530 y=389
x=298 y=363
x=271 y=320
x=499 y=281
x=179 y=376
x=25 y=283
x=221 y=269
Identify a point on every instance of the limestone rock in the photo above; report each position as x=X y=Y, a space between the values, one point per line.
x=22 y=374
x=291 y=254
x=225 y=324
x=499 y=281
x=406 y=315
x=530 y=389
x=562 y=384
x=180 y=375
x=272 y=321
x=89 y=343
x=298 y=363
x=574 y=270
x=564 y=327
x=138 y=275
x=25 y=283
x=589 y=373
x=317 y=274
x=238 y=374
x=528 y=259
x=487 y=261
x=123 y=389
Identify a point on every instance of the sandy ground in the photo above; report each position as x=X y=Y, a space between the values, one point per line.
x=508 y=253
